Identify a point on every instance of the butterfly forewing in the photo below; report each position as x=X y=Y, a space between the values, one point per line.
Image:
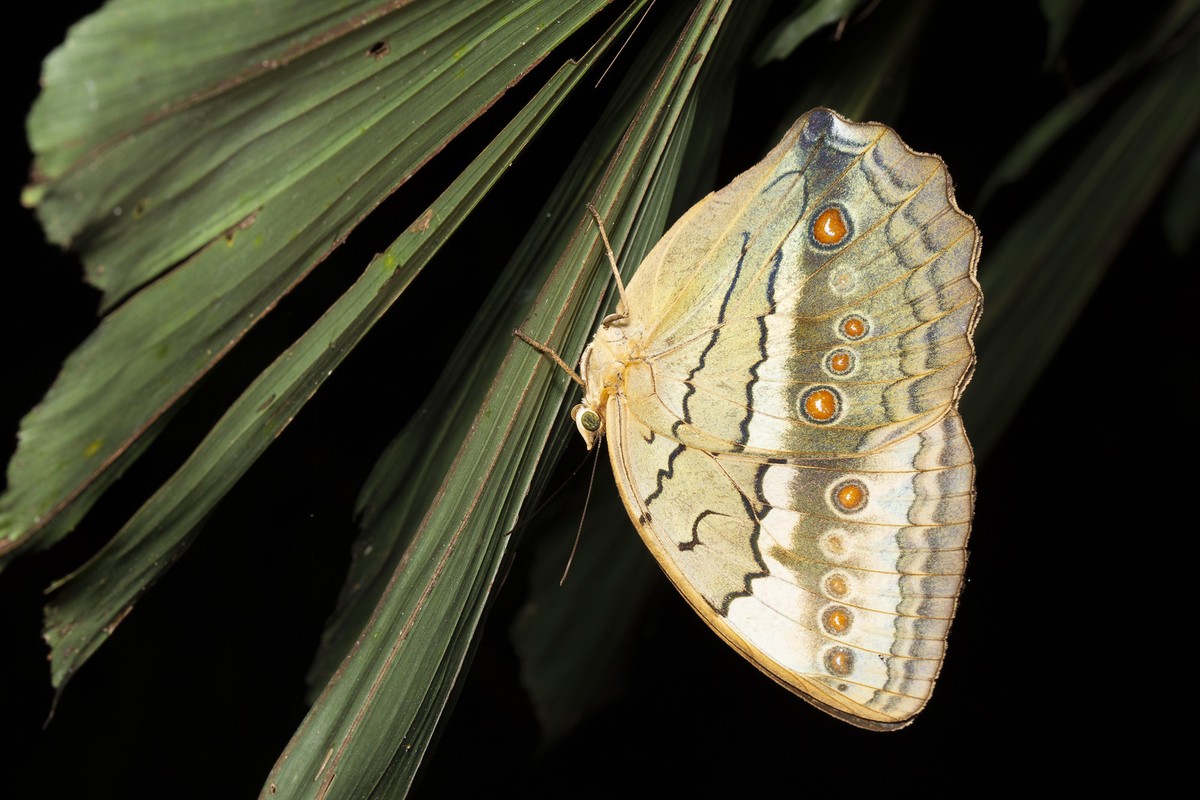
x=752 y=300
x=781 y=406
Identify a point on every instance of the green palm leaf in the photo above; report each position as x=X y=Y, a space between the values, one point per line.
x=205 y=161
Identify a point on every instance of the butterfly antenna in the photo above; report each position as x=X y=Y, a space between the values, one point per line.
x=579 y=532
x=549 y=498
x=612 y=259
x=621 y=49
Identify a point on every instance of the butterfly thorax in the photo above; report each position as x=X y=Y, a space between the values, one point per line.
x=602 y=368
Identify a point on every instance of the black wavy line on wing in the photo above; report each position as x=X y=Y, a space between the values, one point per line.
x=762 y=351
x=746 y=591
x=685 y=546
x=712 y=342
x=664 y=474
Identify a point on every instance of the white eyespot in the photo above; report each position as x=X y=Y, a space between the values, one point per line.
x=843 y=280
x=834 y=544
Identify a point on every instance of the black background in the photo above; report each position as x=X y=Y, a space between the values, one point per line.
x=1042 y=654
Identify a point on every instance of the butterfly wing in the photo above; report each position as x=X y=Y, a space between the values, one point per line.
x=821 y=304
x=784 y=428
x=846 y=603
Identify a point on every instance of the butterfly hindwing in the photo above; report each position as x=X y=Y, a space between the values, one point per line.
x=850 y=605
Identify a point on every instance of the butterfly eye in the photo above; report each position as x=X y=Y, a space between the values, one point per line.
x=589 y=420
x=589 y=423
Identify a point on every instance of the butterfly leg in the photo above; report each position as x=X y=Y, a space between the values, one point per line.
x=550 y=354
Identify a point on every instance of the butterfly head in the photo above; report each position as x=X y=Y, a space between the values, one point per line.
x=589 y=422
x=599 y=376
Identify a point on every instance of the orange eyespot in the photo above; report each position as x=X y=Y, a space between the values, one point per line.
x=840 y=362
x=839 y=661
x=853 y=327
x=830 y=227
x=836 y=620
x=820 y=405
x=837 y=585
x=850 y=496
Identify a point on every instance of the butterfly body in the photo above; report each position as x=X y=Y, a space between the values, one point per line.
x=779 y=391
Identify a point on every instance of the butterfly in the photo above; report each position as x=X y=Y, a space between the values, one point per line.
x=779 y=389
